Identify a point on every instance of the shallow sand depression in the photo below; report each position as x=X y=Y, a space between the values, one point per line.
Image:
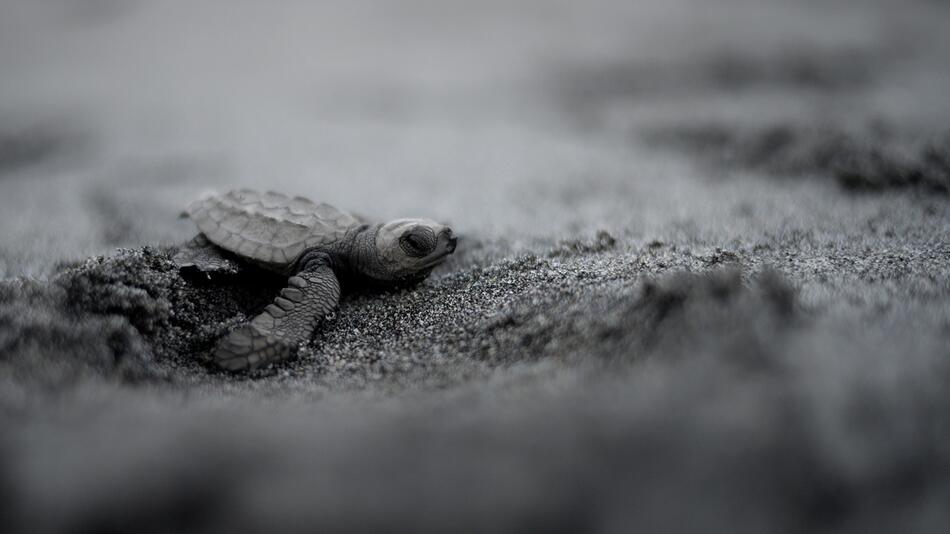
x=702 y=279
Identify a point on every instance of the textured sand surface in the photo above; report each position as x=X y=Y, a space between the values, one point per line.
x=703 y=281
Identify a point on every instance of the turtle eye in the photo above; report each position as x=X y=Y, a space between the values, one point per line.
x=416 y=244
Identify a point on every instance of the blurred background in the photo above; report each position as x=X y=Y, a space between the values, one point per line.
x=520 y=120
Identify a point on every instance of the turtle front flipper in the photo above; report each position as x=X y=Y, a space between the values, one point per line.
x=275 y=334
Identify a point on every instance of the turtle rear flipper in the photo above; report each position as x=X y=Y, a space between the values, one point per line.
x=275 y=334
x=200 y=254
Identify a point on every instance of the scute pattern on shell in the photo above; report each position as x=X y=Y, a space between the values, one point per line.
x=268 y=227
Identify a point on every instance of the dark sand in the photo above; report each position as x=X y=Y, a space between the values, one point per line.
x=703 y=282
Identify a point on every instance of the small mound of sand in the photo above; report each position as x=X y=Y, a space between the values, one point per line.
x=876 y=161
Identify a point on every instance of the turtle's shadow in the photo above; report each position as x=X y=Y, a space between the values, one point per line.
x=246 y=290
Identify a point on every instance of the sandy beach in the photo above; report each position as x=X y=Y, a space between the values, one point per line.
x=702 y=281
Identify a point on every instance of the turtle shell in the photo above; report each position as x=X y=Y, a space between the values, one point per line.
x=268 y=228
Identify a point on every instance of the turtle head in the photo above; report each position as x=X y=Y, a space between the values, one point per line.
x=408 y=249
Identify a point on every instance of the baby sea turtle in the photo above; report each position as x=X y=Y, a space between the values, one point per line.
x=315 y=245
